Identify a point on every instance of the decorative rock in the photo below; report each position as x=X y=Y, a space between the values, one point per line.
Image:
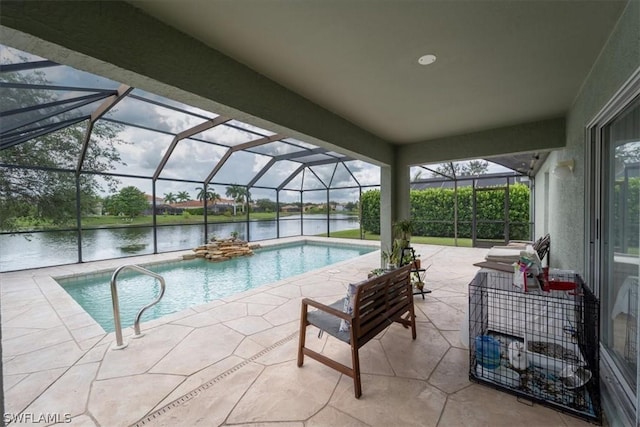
x=224 y=249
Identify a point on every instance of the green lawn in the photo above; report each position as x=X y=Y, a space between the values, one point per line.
x=442 y=241
x=106 y=221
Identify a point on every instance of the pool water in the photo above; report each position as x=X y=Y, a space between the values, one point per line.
x=194 y=282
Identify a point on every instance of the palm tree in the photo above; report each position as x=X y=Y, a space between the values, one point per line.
x=209 y=195
x=169 y=198
x=202 y=194
x=214 y=197
x=183 y=196
x=244 y=198
x=240 y=195
x=233 y=191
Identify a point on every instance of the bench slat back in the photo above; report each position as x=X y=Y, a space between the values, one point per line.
x=381 y=301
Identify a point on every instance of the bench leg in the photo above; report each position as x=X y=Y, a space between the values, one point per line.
x=412 y=314
x=355 y=360
x=303 y=334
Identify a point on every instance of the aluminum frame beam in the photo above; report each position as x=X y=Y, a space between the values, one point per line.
x=186 y=134
x=239 y=147
x=122 y=91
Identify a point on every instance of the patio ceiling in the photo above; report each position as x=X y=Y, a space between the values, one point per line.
x=499 y=63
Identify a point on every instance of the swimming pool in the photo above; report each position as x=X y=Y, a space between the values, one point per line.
x=194 y=282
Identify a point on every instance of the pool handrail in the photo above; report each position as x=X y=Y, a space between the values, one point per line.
x=116 y=306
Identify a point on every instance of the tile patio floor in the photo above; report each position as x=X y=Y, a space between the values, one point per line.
x=233 y=361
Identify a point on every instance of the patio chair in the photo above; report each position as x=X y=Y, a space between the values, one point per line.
x=369 y=308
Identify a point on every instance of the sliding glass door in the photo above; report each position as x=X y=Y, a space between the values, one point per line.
x=615 y=241
x=622 y=232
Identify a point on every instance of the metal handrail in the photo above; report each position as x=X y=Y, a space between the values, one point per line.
x=116 y=306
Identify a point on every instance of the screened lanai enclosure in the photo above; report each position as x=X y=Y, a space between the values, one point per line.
x=477 y=203
x=93 y=169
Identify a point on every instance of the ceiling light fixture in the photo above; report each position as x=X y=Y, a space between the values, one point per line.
x=427 y=59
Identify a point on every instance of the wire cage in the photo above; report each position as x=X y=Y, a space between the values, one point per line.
x=541 y=345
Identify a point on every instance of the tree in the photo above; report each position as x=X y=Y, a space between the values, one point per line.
x=450 y=170
x=214 y=197
x=130 y=202
x=457 y=169
x=183 y=196
x=109 y=205
x=232 y=192
x=202 y=194
x=239 y=194
x=40 y=181
x=210 y=195
x=265 y=205
x=476 y=167
x=351 y=206
x=628 y=153
x=169 y=198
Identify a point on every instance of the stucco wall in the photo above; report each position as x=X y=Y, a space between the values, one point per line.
x=567 y=211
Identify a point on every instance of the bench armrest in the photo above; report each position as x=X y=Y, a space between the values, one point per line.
x=323 y=307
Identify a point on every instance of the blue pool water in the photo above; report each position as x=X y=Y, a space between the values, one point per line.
x=193 y=282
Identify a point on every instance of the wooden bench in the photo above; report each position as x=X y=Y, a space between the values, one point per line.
x=377 y=303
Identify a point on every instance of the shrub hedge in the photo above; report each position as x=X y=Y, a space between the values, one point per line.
x=432 y=209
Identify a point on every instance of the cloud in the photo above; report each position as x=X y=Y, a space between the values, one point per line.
x=365 y=173
x=226 y=135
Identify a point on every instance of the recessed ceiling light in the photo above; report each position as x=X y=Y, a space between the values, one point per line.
x=427 y=59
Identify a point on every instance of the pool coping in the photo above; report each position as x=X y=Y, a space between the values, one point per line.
x=181 y=258
x=72 y=314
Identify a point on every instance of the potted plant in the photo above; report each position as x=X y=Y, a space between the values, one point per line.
x=402 y=230
x=408 y=258
x=393 y=257
x=417 y=282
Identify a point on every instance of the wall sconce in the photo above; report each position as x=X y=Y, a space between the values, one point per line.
x=564 y=169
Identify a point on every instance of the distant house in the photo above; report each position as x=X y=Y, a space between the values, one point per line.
x=289 y=208
x=222 y=205
x=190 y=204
x=149 y=197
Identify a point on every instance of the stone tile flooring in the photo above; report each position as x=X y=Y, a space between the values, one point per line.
x=233 y=361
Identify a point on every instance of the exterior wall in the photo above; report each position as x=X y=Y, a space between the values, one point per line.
x=564 y=201
x=566 y=210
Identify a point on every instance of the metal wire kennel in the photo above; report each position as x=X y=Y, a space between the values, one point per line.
x=542 y=346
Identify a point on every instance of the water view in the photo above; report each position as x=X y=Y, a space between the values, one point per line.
x=49 y=248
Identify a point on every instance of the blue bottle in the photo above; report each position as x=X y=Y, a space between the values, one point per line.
x=487 y=351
